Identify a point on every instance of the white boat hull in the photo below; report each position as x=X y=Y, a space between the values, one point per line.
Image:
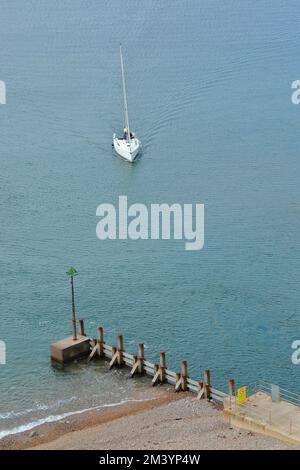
x=128 y=150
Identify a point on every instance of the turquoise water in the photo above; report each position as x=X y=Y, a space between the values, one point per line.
x=209 y=87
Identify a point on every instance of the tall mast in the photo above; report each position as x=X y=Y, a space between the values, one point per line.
x=125 y=96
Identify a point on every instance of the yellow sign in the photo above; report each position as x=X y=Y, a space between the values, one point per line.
x=241 y=395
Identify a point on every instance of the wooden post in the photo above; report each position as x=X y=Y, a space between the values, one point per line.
x=114 y=357
x=113 y=351
x=177 y=382
x=101 y=334
x=134 y=366
x=231 y=387
x=141 y=358
x=94 y=346
x=156 y=374
x=231 y=393
x=162 y=367
x=200 y=391
x=81 y=327
x=207 y=383
x=100 y=341
x=184 y=375
x=205 y=391
x=120 y=350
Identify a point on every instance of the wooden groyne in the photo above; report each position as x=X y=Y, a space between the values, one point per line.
x=261 y=410
x=272 y=410
x=69 y=349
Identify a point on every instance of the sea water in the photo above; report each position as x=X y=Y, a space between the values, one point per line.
x=209 y=88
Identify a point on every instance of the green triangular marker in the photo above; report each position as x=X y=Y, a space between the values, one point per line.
x=72 y=272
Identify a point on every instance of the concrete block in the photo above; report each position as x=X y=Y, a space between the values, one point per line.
x=68 y=349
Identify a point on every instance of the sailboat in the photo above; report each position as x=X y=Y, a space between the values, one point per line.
x=127 y=146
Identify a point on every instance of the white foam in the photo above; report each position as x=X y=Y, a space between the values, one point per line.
x=39 y=406
x=53 y=418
